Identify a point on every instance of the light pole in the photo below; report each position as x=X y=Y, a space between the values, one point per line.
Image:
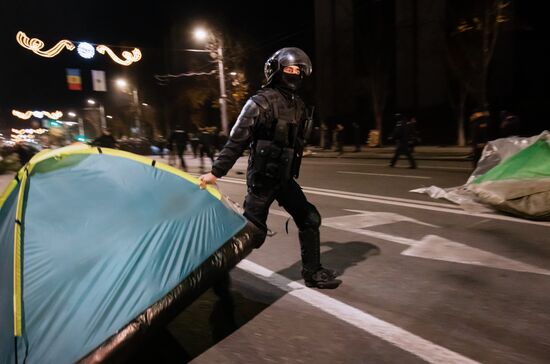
x=203 y=35
x=101 y=113
x=80 y=122
x=123 y=85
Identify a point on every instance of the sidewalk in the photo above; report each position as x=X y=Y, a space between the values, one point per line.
x=451 y=153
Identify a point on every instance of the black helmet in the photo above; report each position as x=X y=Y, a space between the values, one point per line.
x=287 y=57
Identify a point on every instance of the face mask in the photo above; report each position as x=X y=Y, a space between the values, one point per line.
x=291 y=81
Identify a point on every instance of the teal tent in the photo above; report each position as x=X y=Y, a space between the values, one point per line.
x=100 y=246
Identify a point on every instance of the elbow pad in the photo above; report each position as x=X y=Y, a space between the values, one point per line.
x=242 y=130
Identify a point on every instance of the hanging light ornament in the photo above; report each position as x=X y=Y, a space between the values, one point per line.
x=36 y=45
x=37 y=114
x=129 y=58
x=22 y=115
x=85 y=50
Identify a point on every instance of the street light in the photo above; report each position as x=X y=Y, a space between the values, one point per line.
x=123 y=85
x=203 y=35
x=101 y=113
x=80 y=122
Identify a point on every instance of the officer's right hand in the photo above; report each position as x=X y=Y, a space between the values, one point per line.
x=207 y=179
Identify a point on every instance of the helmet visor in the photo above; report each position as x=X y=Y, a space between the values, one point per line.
x=295 y=57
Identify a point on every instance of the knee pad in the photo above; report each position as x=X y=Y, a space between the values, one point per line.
x=312 y=219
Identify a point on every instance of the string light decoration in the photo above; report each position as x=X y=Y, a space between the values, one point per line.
x=22 y=115
x=54 y=115
x=129 y=57
x=37 y=114
x=26 y=135
x=85 y=50
x=35 y=45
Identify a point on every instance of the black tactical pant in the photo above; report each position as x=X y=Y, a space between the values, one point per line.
x=290 y=196
x=403 y=148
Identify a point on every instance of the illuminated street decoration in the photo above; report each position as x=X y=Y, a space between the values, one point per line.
x=54 y=115
x=26 y=135
x=85 y=50
x=22 y=115
x=36 y=45
x=129 y=57
x=37 y=114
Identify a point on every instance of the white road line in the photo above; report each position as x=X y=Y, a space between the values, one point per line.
x=423 y=205
x=424 y=166
x=416 y=345
x=405 y=203
x=348 y=193
x=383 y=175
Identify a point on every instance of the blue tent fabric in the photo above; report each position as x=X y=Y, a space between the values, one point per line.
x=103 y=238
x=7 y=220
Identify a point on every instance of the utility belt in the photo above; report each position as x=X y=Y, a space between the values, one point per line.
x=273 y=161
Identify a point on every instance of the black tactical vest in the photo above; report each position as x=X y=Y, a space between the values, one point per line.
x=278 y=141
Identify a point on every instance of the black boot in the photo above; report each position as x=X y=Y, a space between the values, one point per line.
x=313 y=273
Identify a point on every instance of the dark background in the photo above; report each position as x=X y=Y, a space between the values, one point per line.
x=162 y=30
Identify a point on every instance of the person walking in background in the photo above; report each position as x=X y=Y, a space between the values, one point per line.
x=206 y=144
x=356 y=136
x=479 y=131
x=105 y=140
x=194 y=141
x=403 y=136
x=179 y=138
x=509 y=125
x=339 y=138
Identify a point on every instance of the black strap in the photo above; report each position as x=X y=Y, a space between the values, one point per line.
x=99 y=150
x=18 y=222
x=153 y=162
x=15 y=349
x=286 y=225
x=17 y=178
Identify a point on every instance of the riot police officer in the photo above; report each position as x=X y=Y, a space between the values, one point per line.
x=275 y=124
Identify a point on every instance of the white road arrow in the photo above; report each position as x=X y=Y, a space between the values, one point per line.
x=430 y=246
x=366 y=219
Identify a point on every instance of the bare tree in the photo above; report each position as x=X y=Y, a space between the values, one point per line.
x=378 y=61
x=473 y=28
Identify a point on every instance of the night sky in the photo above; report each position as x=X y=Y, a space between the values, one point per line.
x=163 y=29
x=160 y=29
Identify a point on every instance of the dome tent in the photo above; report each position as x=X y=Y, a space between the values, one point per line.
x=98 y=246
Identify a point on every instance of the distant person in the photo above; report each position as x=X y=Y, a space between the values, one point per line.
x=105 y=140
x=339 y=138
x=356 y=128
x=479 y=130
x=161 y=144
x=509 y=125
x=25 y=151
x=178 y=141
x=325 y=134
x=206 y=143
x=403 y=135
x=194 y=141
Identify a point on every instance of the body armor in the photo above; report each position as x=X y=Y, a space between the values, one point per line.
x=278 y=144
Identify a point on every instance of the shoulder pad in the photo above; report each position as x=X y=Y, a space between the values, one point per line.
x=250 y=109
x=261 y=101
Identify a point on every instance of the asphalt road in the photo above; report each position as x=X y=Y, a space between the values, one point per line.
x=423 y=281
